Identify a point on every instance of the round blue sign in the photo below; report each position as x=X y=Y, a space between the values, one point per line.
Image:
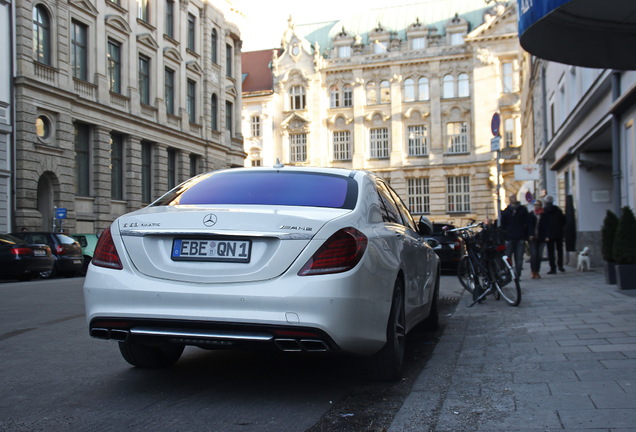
x=495 y=123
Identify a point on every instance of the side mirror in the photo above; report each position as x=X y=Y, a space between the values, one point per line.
x=433 y=243
x=425 y=226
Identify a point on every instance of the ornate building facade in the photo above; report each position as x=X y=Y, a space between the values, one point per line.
x=6 y=117
x=408 y=92
x=116 y=102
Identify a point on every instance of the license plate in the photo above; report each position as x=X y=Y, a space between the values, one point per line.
x=39 y=252
x=77 y=261
x=237 y=251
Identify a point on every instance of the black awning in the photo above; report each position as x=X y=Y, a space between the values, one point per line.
x=590 y=33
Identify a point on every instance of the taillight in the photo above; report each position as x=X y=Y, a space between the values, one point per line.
x=60 y=250
x=501 y=248
x=340 y=253
x=19 y=251
x=457 y=245
x=106 y=253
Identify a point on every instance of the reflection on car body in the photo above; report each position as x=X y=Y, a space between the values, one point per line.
x=297 y=259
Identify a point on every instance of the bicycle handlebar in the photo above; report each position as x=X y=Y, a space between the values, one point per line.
x=480 y=224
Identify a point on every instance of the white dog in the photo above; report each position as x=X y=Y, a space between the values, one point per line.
x=583 y=263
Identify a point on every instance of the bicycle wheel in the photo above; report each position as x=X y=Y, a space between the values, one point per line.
x=468 y=276
x=506 y=281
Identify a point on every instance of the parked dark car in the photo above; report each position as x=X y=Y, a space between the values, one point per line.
x=21 y=260
x=450 y=247
x=67 y=252
x=88 y=243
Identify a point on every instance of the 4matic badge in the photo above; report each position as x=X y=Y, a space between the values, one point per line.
x=296 y=228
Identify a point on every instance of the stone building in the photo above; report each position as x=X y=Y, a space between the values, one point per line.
x=6 y=117
x=405 y=91
x=118 y=101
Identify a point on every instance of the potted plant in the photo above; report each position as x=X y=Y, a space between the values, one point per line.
x=625 y=250
x=608 y=233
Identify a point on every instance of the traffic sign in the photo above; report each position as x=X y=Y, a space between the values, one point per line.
x=60 y=213
x=495 y=143
x=495 y=123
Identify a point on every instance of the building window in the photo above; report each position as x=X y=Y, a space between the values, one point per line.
x=347 y=96
x=334 y=97
x=379 y=47
x=509 y=132
x=422 y=89
x=114 y=66
x=215 y=46
x=194 y=164
x=385 y=92
x=41 y=35
x=229 y=59
x=418 y=43
x=409 y=90
x=298 y=147
x=458 y=194
x=229 y=117
x=143 y=9
x=146 y=172
x=418 y=195
x=257 y=162
x=379 y=140
x=344 y=51
x=170 y=18
x=456 y=39
x=116 y=167
x=463 y=85
x=169 y=90
x=372 y=93
x=506 y=75
x=417 y=140
x=448 y=87
x=256 y=126
x=144 y=80
x=192 y=101
x=191 y=31
x=79 y=48
x=82 y=159
x=172 y=168
x=215 y=113
x=297 y=98
x=342 y=145
x=457 y=135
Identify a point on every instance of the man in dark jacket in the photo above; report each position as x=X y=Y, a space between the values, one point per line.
x=555 y=221
x=514 y=224
x=536 y=238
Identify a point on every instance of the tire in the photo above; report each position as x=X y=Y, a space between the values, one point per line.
x=389 y=361
x=509 y=287
x=151 y=356
x=431 y=323
x=468 y=277
x=49 y=274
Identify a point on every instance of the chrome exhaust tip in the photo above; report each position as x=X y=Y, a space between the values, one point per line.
x=313 y=345
x=288 y=345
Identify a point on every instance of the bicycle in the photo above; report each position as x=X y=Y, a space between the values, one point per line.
x=485 y=270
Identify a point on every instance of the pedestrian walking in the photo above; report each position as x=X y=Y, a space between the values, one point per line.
x=537 y=230
x=514 y=224
x=555 y=222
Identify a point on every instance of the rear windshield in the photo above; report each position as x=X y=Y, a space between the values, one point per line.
x=303 y=189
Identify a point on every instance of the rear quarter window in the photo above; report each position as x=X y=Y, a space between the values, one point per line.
x=266 y=188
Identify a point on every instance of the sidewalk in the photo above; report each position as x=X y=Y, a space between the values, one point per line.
x=565 y=359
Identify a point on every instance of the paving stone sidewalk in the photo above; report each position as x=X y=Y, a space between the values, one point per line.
x=565 y=359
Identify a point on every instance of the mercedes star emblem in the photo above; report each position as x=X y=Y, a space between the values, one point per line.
x=209 y=220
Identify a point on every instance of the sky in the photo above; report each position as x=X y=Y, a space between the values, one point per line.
x=266 y=20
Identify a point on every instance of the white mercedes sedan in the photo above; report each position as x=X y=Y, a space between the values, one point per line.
x=295 y=259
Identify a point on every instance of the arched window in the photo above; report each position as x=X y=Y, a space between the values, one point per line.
x=215 y=113
x=463 y=87
x=297 y=99
x=41 y=35
x=347 y=96
x=448 y=90
x=215 y=46
x=385 y=92
x=409 y=90
x=372 y=94
x=334 y=97
x=422 y=89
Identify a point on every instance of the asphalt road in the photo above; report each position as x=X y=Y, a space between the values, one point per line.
x=56 y=378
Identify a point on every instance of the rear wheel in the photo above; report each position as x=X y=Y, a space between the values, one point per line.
x=468 y=277
x=151 y=356
x=389 y=361
x=507 y=282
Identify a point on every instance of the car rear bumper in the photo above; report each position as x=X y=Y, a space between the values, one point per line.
x=330 y=312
